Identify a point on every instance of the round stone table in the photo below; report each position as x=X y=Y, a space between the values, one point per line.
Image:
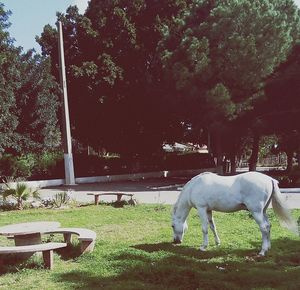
x=28 y=233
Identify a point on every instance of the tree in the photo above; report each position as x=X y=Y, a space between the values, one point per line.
x=114 y=73
x=283 y=103
x=37 y=100
x=8 y=84
x=221 y=53
x=28 y=98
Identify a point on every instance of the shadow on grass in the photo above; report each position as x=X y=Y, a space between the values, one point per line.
x=12 y=263
x=163 y=266
x=70 y=252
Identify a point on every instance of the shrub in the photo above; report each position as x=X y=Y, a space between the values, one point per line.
x=48 y=165
x=33 y=165
x=285 y=181
x=295 y=175
x=20 y=192
x=61 y=199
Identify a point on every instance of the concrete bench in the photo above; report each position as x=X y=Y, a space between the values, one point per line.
x=86 y=237
x=46 y=249
x=118 y=194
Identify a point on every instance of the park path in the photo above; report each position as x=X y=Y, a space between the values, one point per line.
x=152 y=191
x=149 y=191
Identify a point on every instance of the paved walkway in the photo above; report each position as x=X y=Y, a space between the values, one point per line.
x=163 y=191
x=152 y=191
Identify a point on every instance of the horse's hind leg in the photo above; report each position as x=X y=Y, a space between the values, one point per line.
x=204 y=220
x=264 y=225
x=213 y=227
x=268 y=225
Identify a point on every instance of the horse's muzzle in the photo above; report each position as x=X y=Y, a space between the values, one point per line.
x=176 y=241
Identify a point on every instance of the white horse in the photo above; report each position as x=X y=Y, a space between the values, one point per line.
x=251 y=191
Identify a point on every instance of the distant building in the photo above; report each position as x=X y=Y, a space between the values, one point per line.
x=187 y=147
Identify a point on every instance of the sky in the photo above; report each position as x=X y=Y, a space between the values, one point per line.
x=30 y=16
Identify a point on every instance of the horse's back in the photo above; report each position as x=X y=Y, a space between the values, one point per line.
x=254 y=178
x=254 y=181
x=228 y=193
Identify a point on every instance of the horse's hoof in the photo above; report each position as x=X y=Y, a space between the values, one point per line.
x=203 y=249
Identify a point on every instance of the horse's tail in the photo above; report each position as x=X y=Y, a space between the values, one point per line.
x=285 y=218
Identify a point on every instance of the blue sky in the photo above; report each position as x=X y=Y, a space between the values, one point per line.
x=30 y=16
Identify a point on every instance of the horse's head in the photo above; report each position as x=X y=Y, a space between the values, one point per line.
x=179 y=229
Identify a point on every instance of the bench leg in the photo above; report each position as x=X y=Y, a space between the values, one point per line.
x=87 y=246
x=1 y=261
x=68 y=238
x=48 y=259
x=96 y=199
x=24 y=240
x=119 y=196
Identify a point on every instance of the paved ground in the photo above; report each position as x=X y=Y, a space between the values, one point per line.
x=155 y=191
x=164 y=191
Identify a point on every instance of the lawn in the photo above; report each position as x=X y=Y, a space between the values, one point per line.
x=133 y=251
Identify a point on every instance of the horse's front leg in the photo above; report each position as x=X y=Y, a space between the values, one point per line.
x=213 y=227
x=204 y=221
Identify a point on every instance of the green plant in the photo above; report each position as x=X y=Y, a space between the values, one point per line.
x=20 y=166
x=20 y=192
x=295 y=175
x=25 y=165
x=46 y=163
x=61 y=199
x=285 y=181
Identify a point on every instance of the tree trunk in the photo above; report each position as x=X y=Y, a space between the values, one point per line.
x=290 y=155
x=19 y=204
x=254 y=155
x=233 y=164
x=219 y=154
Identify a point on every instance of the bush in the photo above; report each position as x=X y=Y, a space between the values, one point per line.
x=32 y=165
x=20 y=192
x=285 y=181
x=48 y=165
x=17 y=166
x=295 y=175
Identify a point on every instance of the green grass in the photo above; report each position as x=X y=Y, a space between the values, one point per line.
x=133 y=251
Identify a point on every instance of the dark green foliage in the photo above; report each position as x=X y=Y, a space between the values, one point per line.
x=217 y=60
x=37 y=98
x=114 y=76
x=18 y=191
x=222 y=52
x=32 y=166
x=28 y=98
x=9 y=76
x=140 y=71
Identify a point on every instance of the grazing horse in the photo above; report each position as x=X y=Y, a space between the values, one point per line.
x=250 y=191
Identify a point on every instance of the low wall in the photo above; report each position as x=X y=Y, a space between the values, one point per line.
x=120 y=177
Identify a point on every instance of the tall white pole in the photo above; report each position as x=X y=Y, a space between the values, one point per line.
x=67 y=141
